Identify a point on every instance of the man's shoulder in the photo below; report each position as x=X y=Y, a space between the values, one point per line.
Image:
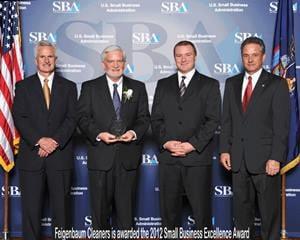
x=27 y=81
x=93 y=82
x=167 y=80
x=271 y=76
x=235 y=78
x=64 y=81
x=135 y=85
x=134 y=82
x=206 y=78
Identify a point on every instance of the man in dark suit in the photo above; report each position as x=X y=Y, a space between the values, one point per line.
x=185 y=115
x=44 y=112
x=254 y=135
x=113 y=114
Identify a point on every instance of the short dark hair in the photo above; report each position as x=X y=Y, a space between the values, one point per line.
x=254 y=40
x=185 y=43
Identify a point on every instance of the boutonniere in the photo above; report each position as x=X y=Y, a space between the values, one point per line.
x=127 y=94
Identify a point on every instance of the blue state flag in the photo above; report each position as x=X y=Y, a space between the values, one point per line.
x=284 y=65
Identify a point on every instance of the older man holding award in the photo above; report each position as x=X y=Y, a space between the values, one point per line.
x=114 y=115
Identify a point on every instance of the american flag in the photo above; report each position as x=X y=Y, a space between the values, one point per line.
x=11 y=66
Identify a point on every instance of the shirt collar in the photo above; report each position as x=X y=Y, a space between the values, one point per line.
x=188 y=76
x=50 y=79
x=254 y=76
x=111 y=82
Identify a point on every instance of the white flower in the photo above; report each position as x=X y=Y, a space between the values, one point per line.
x=128 y=94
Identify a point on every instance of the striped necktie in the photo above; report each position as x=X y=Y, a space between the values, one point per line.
x=182 y=86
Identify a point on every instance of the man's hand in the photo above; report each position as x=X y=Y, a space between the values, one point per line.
x=178 y=149
x=42 y=153
x=225 y=161
x=172 y=146
x=127 y=137
x=272 y=167
x=49 y=145
x=107 y=137
x=184 y=148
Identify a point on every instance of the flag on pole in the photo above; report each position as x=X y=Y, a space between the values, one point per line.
x=11 y=67
x=284 y=65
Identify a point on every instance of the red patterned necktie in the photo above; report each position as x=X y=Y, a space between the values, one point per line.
x=247 y=94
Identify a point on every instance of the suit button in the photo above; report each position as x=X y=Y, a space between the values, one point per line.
x=180 y=108
x=242 y=139
x=180 y=123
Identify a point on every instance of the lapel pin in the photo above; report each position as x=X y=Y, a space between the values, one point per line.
x=263 y=85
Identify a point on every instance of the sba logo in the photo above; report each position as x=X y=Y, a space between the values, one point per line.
x=273 y=8
x=35 y=37
x=148 y=159
x=191 y=221
x=65 y=7
x=13 y=191
x=239 y=37
x=145 y=38
x=226 y=69
x=174 y=7
x=129 y=69
x=88 y=221
x=223 y=191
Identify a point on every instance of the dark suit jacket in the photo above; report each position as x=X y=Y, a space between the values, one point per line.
x=34 y=121
x=261 y=133
x=96 y=113
x=192 y=118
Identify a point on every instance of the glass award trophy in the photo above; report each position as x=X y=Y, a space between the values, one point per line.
x=117 y=127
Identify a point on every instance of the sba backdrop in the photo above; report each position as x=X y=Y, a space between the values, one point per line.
x=148 y=30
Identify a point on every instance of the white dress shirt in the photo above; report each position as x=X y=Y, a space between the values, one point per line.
x=255 y=78
x=111 y=86
x=50 y=80
x=120 y=92
x=188 y=77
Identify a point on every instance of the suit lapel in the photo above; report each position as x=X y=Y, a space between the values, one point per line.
x=238 y=92
x=258 y=90
x=174 y=87
x=125 y=102
x=105 y=94
x=56 y=93
x=37 y=90
x=195 y=83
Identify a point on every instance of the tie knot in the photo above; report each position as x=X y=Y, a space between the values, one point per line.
x=46 y=80
x=183 y=78
x=115 y=86
x=249 y=78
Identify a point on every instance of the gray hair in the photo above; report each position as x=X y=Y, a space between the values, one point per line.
x=44 y=43
x=112 y=48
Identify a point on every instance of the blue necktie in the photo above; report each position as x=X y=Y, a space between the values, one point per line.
x=116 y=101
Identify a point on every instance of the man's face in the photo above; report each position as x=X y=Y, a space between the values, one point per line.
x=185 y=58
x=114 y=65
x=45 y=60
x=252 y=57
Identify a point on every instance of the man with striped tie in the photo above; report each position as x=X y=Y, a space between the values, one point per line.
x=185 y=115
